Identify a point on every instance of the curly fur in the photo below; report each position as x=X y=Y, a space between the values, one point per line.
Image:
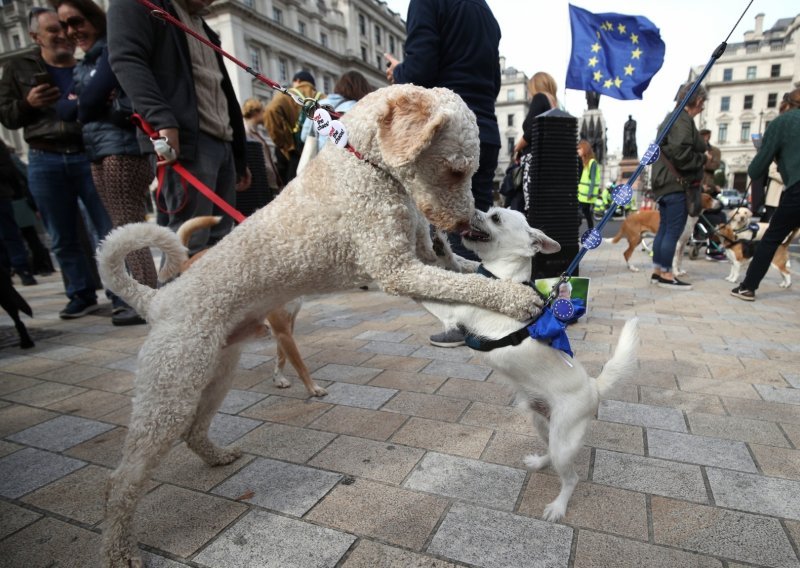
x=342 y=223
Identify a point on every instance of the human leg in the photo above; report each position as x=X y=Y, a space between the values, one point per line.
x=785 y=218
x=57 y=200
x=673 y=215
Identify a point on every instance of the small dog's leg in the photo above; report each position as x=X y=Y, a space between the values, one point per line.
x=196 y=435
x=566 y=439
x=282 y=324
x=538 y=461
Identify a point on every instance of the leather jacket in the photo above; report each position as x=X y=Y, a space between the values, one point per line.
x=42 y=128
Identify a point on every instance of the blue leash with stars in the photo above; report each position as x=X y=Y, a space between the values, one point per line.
x=556 y=313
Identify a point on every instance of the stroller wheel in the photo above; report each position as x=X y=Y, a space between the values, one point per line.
x=694 y=252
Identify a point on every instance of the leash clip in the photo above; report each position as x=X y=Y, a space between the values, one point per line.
x=163 y=149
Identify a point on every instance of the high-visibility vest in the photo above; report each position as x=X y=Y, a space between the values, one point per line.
x=589 y=186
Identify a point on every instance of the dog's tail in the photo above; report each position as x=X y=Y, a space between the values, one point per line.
x=616 y=238
x=129 y=238
x=189 y=227
x=623 y=363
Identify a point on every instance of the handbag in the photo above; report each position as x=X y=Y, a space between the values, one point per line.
x=693 y=189
x=310 y=149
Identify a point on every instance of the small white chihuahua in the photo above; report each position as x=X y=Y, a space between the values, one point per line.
x=562 y=397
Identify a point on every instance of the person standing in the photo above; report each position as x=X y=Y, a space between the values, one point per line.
x=121 y=171
x=684 y=154
x=58 y=170
x=260 y=160
x=455 y=44
x=712 y=165
x=284 y=122
x=780 y=144
x=590 y=186
x=182 y=89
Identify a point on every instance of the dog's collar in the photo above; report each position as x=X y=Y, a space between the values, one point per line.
x=481 y=343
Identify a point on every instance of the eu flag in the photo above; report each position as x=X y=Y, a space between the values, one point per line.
x=613 y=54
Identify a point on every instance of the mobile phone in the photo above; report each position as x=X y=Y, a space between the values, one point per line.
x=42 y=79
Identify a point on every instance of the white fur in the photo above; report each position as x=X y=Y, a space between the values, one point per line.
x=547 y=377
x=343 y=222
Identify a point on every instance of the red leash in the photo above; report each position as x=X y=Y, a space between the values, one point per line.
x=186 y=176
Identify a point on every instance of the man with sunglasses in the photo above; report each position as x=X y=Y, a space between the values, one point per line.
x=59 y=174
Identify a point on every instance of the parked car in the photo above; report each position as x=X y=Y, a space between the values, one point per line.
x=731 y=198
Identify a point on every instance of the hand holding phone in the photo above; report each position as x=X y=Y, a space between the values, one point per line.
x=42 y=79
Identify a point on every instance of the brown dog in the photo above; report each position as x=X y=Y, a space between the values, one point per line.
x=281 y=321
x=641 y=222
x=740 y=252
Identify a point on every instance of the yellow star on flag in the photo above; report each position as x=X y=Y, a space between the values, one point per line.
x=608 y=83
x=636 y=53
x=621 y=28
x=598 y=75
x=617 y=82
x=592 y=62
x=629 y=69
x=634 y=38
x=609 y=26
x=595 y=47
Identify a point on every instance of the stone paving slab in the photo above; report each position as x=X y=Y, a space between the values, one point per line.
x=494 y=539
x=416 y=459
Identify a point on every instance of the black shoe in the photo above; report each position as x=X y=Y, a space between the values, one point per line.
x=78 y=307
x=744 y=294
x=674 y=284
x=654 y=278
x=126 y=316
x=27 y=278
x=450 y=338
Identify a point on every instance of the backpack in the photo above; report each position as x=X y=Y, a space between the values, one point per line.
x=297 y=129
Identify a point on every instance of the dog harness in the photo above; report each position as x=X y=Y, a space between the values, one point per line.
x=547 y=327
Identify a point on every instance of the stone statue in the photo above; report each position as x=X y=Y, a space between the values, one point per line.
x=592 y=100
x=629 y=149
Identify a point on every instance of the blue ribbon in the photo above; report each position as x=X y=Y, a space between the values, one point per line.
x=550 y=329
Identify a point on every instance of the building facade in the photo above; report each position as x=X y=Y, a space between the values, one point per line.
x=745 y=88
x=511 y=109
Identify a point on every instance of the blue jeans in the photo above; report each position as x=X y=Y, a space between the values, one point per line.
x=57 y=182
x=783 y=221
x=673 y=215
x=214 y=166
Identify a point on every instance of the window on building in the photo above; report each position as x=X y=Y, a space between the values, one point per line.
x=362 y=24
x=748 y=102
x=722 y=134
x=727 y=74
x=363 y=54
x=751 y=71
x=283 y=70
x=725 y=103
x=772 y=100
x=326 y=84
x=776 y=46
x=751 y=48
x=745 y=137
x=277 y=15
x=379 y=61
x=255 y=58
x=377 y=35
x=15 y=41
x=510 y=144
x=323 y=39
x=301 y=27
x=248 y=3
x=511 y=95
x=510 y=120
x=775 y=70
x=391 y=44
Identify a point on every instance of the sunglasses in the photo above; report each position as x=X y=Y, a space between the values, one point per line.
x=73 y=22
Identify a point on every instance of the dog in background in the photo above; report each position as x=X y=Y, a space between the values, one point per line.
x=561 y=396
x=348 y=219
x=642 y=222
x=13 y=304
x=280 y=320
x=740 y=252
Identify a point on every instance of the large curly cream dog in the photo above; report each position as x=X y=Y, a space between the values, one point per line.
x=342 y=223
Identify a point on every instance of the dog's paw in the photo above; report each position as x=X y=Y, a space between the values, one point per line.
x=730 y=279
x=317 y=390
x=680 y=272
x=785 y=284
x=536 y=461
x=632 y=268
x=224 y=456
x=281 y=382
x=555 y=511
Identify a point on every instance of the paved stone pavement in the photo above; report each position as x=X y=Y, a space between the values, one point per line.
x=415 y=457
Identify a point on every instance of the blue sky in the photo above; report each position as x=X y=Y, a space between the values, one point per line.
x=536 y=37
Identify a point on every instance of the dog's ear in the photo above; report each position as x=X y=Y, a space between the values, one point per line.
x=408 y=127
x=539 y=242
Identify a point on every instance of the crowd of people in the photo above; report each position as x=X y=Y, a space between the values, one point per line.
x=89 y=169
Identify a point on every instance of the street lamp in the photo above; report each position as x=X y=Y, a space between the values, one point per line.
x=760 y=119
